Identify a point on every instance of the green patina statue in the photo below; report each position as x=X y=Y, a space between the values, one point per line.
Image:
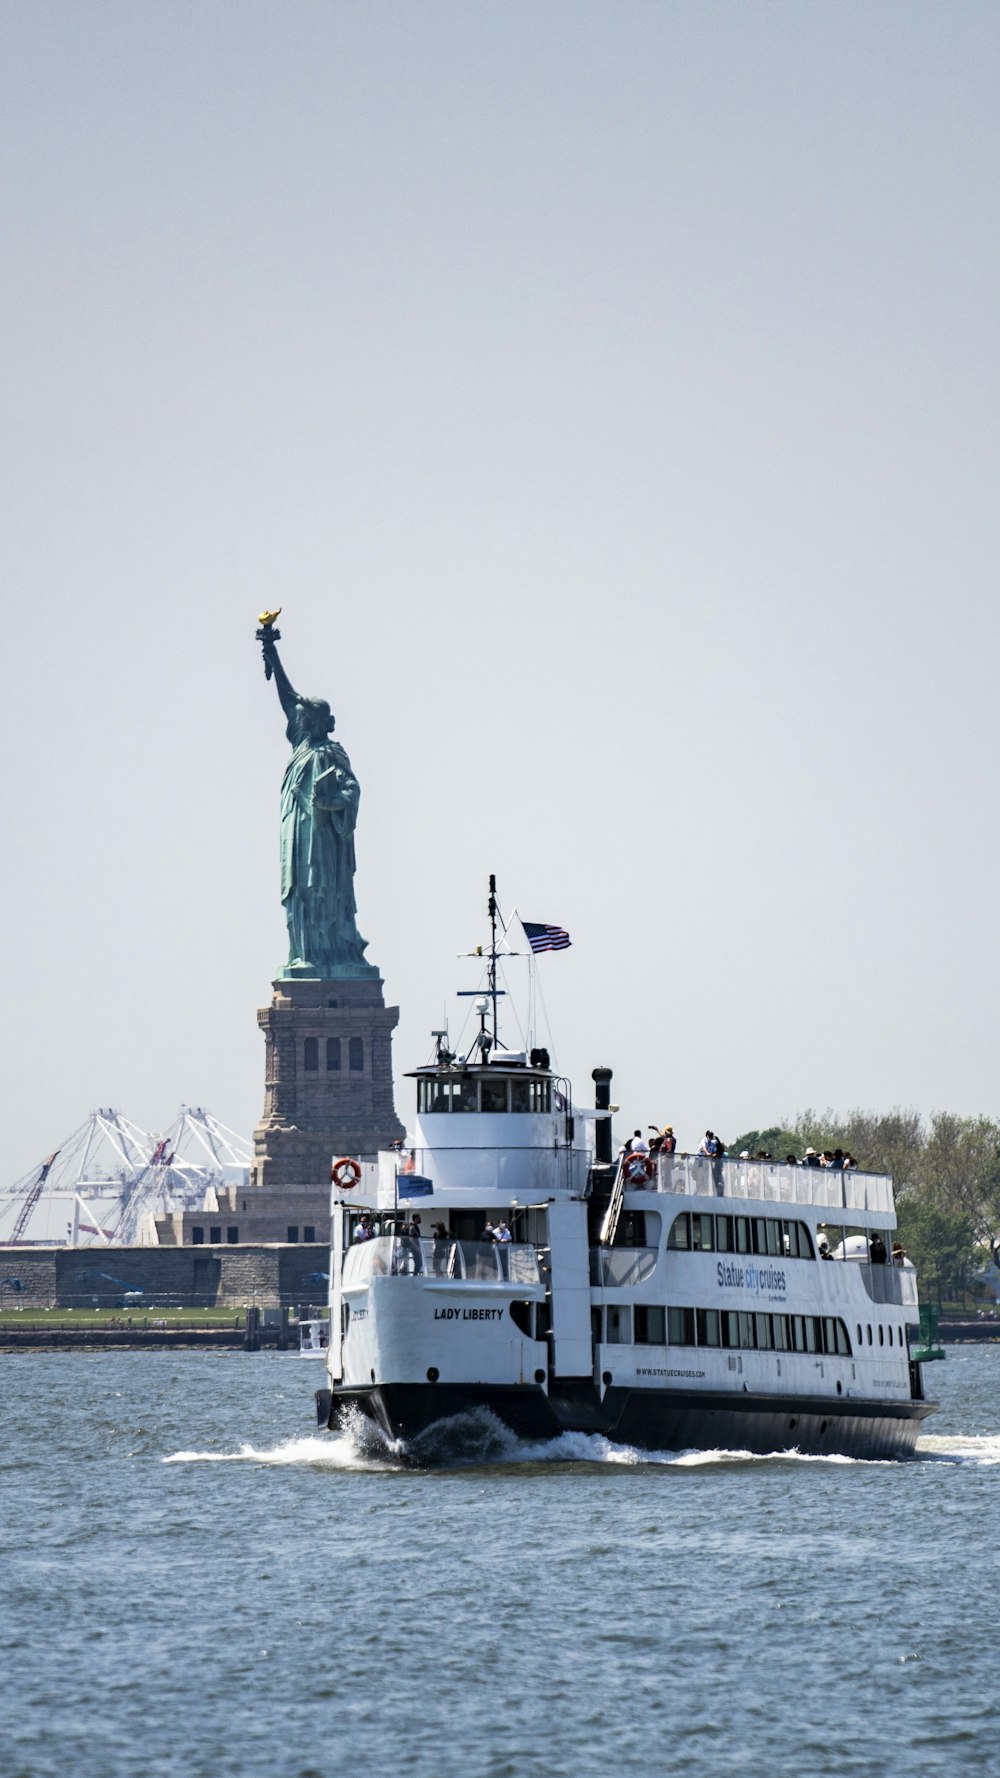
x=319 y=809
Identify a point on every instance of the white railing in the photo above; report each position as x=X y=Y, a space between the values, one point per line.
x=483 y=1176
x=698 y=1176
x=621 y=1267
x=456 y=1262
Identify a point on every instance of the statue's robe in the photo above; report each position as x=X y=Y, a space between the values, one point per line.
x=319 y=808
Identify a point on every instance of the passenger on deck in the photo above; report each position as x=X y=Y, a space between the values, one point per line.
x=790 y=1161
x=503 y=1238
x=637 y=1143
x=838 y=1160
x=440 y=1249
x=364 y=1230
x=850 y=1164
x=668 y=1144
x=811 y=1158
x=876 y=1249
x=824 y=1248
x=898 y=1254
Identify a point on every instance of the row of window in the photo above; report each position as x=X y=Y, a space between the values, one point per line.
x=233 y=1234
x=463 y=1092
x=732 y=1329
x=741 y=1234
x=355 y=1055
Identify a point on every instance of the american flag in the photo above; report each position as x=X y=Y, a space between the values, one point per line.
x=545 y=938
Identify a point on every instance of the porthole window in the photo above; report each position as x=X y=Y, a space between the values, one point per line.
x=881 y=1336
x=869 y=1334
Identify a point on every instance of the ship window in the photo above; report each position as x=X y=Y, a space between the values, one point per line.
x=493 y=1095
x=829 y=1334
x=333 y=1055
x=619 y=1327
x=798 y=1333
x=680 y=1232
x=869 y=1335
x=433 y=1095
x=758 y=1225
x=730 y=1328
x=724 y=1234
x=742 y=1226
x=311 y=1055
x=463 y=1093
x=805 y=1242
x=843 y=1342
x=631 y=1230
x=779 y=1325
x=519 y=1095
x=859 y=1334
x=680 y=1327
x=356 y=1055
x=764 y=1340
x=881 y=1335
x=540 y=1095
x=746 y=1329
x=702 y=1233
x=774 y=1237
x=650 y=1325
x=709 y=1329
x=812 y=1334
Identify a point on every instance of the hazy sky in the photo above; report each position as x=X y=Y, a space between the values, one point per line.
x=608 y=392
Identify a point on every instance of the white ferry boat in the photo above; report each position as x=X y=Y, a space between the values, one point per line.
x=668 y=1302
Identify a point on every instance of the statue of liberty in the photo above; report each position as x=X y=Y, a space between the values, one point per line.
x=319 y=809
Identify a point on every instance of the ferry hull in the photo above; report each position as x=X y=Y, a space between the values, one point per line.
x=655 y=1420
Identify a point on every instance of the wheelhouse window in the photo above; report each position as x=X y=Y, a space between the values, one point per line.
x=493 y=1095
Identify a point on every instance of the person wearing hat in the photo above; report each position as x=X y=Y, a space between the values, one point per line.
x=811 y=1158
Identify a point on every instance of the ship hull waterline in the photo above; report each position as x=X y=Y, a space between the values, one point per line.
x=652 y=1420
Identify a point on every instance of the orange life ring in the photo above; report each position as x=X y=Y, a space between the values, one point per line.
x=345 y=1173
x=638 y=1168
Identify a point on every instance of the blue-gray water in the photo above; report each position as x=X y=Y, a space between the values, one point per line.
x=195 y=1583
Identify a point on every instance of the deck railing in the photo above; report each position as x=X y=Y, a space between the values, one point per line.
x=440 y=1261
x=771 y=1181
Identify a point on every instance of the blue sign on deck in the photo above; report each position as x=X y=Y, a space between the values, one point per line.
x=413 y=1185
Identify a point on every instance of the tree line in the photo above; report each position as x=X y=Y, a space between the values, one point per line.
x=946 y=1172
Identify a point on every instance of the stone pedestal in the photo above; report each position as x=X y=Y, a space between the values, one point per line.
x=328 y=1081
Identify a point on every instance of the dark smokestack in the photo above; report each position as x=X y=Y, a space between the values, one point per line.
x=602 y=1099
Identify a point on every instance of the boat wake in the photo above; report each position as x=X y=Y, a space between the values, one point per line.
x=479 y=1439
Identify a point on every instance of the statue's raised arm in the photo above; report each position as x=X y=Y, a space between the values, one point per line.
x=269 y=637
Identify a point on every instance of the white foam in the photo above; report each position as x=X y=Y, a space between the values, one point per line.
x=978 y=1448
x=479 y=1438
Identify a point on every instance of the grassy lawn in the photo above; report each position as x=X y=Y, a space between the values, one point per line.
x=94 y=1318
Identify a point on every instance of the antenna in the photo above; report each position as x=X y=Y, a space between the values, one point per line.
x=492 y=978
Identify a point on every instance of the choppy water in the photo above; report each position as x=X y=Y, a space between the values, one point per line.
x=194 y=1585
